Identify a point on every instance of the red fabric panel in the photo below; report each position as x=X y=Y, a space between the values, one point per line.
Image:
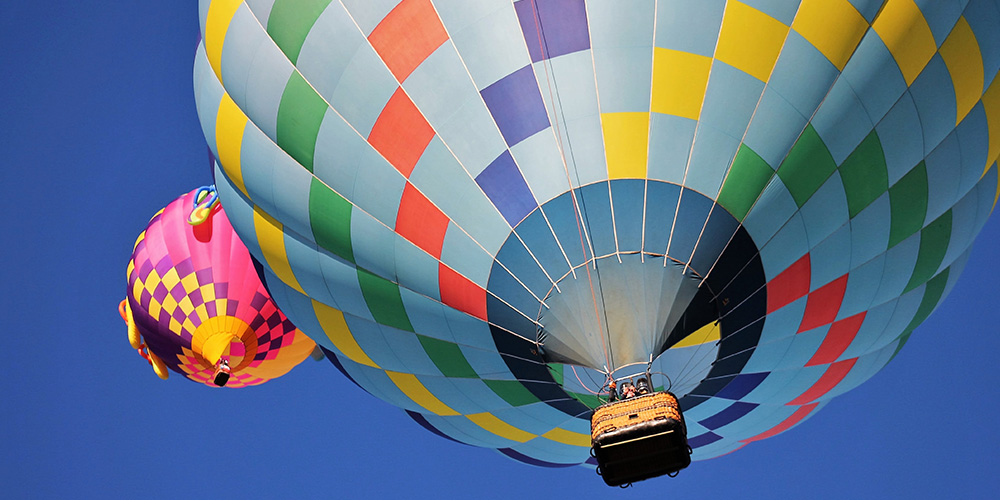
x=407 y=35
x=840 y=336
x=786 y=424
x=834 y=374
x=460 y=293
x=401 y=133
x=790 y=285
x=823 y=304
x=419 y=221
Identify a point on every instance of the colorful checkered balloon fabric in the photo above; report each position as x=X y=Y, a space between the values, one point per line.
x=194 y=296
x=481 y=207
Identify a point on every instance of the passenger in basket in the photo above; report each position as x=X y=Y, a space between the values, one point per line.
x=642 y=386
x=628 y=390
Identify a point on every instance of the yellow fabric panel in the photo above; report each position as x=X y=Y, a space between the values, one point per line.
x=903 y=29
x=289 y=356
x=411 y=386
x=170 y=278
x=568 y=437
x=991 y=104
x=705 y=334
x=626 y=144
x=335 y=327
x=220 y=14
x=493 y=424
x=208 y=292
x=190 y=283
x=230 y=123
x=964 y=60
x=271 y=238
x=834 y=27
x=750 y=40
x=679 y=82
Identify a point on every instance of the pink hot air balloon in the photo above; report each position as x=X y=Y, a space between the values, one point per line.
x=196 y=306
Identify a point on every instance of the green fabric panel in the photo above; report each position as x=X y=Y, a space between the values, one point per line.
x=932 y=295
x=512 y=391
x=908 y=202
x=384 y=301
x=590 y=400
x=300 y=114
x=934 y=240
x=747 y=178
x=557 y=369
x=864 y=174
x=448 y=357
x=290 y=22
x=330 y=218
x=807 y=166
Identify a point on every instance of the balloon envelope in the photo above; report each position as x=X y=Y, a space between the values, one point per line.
x=482 y=209
x=195 y=297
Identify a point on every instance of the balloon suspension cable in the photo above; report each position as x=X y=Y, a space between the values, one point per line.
x=602 y=326
x=206 y=198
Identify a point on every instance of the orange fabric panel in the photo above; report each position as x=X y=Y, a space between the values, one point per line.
x=407 y=35
x=401 y=134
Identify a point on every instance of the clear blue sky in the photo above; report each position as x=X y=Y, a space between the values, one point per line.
x=99 y=131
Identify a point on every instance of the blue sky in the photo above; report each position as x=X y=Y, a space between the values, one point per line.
x=100 y=131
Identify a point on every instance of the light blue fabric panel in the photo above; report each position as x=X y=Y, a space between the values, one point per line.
x=774 y=207
x=560 y=214
x=983 y=16
x=552 y=451
x=488 y=37
x=537 y=236
x=624 y=78
x=244 y=39
x=514 y=293
x=955 y=271
x=942 y=183
x=369 y=337
x=987 y=189
x=867 y=8
x=571 y=77
x=862 y=285
x=303 y=259
x=730 y=99
x=875 y=77
x=841 y=121
x=782 y=386
x=378 y=187
x=899 y=263
x=711 y=156
x=373 y=246
x=670 y=140
x=903 y=142
x=427 y=316
x=442 y=179
x=262 y=9
x=338 y=154
x=203 y=14
x=472 y=136
x=328 y=48
x=802 y=348
x=906 y=309
x=362 y=90
x=974 y=141
x=941 y=16
x=406 y=347
x=265 y=83
x=870 y=231
x=596 y=202
x=614 y=25
x=689 y=26
x=661 y=206
x=208 y=94
x=827 y=257
x=541 y=165
x=775 y=126
x=440 y=85
x=627 y=199
x=778 y=325
x=767 y=355
x=467 y=257
x=826 y=211
x=963 y=227
x=802 y=75
x=464 y=430
x=368 y=13
x=416 y=270
x=876 y=320
x=290 y=184
x=782 y=10
x=258 y=159
x=341 y=279
x=450 y=392
x=937 y=113
x=788 y=245
x=516 y=258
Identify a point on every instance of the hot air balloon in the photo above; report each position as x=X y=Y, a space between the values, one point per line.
x=195 y=304
x=487 y=211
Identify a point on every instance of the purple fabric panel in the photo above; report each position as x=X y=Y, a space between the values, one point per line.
x=729 y=415
x=742 y=385
x=503 y=184
x=516 y=105
x=702 y=440
x=552 y=28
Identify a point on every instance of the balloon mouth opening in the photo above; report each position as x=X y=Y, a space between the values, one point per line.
x=224 y=337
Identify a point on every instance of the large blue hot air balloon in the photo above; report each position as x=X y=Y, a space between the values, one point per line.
x=485 y=210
